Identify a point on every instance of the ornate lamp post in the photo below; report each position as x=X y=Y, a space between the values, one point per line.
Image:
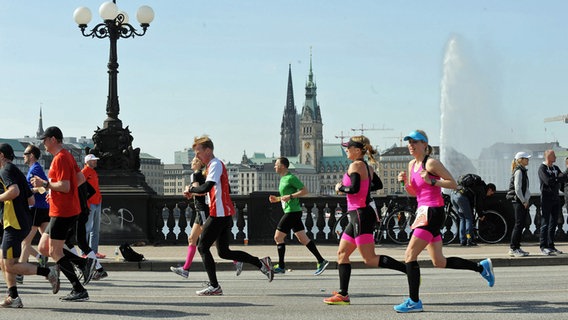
x=113 y=144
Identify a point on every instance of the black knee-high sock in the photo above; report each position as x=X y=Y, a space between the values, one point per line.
x=281 y=247
x=75 y=259
x=66 y=267
x=344 y=276
x=460 y=263
x=13 y=292
x=390 y=263
x=413 y=275
x=314 y=250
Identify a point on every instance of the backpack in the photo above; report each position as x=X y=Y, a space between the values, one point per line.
x=129 y=254
x=470 y=180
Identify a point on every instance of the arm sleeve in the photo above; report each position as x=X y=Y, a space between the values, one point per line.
x=355 y=184
x=376 y=183
x=204 y=188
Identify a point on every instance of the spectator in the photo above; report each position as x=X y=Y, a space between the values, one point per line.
x=519 y=193
x=94 y=202
x=551 y=178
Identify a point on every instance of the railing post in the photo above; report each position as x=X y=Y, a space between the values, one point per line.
x=182 y=224
x=171 y=223
x=320 y=219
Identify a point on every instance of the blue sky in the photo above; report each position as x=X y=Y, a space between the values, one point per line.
x=220 y=68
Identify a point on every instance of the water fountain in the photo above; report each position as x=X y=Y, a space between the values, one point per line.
x=467 y=109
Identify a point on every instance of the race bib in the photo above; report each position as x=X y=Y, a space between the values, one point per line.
x=421 y=218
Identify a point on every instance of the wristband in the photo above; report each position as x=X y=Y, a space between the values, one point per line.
x=291 y=195
x=433 y=182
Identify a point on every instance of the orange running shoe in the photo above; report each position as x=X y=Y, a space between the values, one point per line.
x=337 y=299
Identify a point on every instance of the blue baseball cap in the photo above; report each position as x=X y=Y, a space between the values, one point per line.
x=417 y=136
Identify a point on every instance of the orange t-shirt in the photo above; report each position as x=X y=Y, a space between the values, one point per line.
x=64 y=167
x=93 y=179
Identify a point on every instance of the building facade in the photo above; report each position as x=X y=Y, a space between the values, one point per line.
x=153 y=169
x=176 y=178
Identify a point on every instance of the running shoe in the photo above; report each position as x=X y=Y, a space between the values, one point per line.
x=517 y=253
x=42 y=261
x=337 y=299
x=180 y=271
x=276 y=269
x=19 y=279
x=267 y=268
x=53 y=278
x=556 y=251
x=99 y=274
x=238 y=267
x=546 y=252
x=409 y=306
x=210 y=291
x=487 y=272
x=88 y=270
x=321 y=267
x=10 y=302
x=76 y=296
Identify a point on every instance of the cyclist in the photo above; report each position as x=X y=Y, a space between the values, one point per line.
x=426 y=178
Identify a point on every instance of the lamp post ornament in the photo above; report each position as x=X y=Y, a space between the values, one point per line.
x=113 y=144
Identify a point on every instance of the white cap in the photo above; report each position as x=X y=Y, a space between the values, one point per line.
x=521 y=155
x=90 y=157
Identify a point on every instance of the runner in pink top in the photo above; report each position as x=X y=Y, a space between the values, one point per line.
x=425 y=179
x=357 y=183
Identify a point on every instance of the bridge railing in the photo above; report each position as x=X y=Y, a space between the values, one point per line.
x=171 y=218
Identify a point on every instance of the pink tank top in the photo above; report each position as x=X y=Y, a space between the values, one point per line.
x=426 y=194
x=359 y=199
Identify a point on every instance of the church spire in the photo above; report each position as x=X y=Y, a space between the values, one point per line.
x=39 y=132
x=288 y=132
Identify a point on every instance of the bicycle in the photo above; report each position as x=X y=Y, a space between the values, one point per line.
x=393 y=222
x=489 y=226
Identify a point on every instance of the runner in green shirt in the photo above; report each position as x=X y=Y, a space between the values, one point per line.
x=291 y=188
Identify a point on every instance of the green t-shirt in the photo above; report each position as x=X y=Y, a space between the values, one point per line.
x=289 y=184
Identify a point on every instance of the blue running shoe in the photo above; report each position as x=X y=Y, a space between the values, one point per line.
x=409 y=306
x=321 y=267
x=487 y=272
x=277 y=269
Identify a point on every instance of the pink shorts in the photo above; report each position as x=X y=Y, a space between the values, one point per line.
x=426 y=235
x=362 y=239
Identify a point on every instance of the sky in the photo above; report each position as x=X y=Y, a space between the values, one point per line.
x=220 y=67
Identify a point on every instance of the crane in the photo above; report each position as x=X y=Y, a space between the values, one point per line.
x=341 y=136
x=399 y=138
x=363 y=129
x=563 y=118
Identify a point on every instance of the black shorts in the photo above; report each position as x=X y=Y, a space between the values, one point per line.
x=291 y=221
x=59 y=227
x=436 y=216
x=362 y=221
x=12 y=242
x=39 y=216
x=200 y=217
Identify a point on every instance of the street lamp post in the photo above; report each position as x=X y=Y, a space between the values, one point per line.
x=113 y=144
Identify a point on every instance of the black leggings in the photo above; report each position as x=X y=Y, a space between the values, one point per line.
x=219 y=229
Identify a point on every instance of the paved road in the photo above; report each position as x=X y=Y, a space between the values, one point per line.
x=298 y=257
x=535 y=292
